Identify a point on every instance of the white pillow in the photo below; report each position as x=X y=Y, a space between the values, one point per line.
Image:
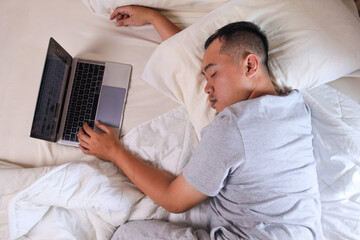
x=311 y=42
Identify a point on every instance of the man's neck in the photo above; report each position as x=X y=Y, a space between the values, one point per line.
x=266 y=88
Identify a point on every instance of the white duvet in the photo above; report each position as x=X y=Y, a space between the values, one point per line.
x=88 y=200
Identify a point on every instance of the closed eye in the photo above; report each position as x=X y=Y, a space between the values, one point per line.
x=213 y=75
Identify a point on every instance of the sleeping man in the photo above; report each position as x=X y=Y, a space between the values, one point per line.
x=254 y=162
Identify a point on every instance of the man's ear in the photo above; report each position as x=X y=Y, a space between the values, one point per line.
x=252 y=64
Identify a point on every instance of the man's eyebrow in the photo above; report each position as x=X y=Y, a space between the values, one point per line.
x=207 y=67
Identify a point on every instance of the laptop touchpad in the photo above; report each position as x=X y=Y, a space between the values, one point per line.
x=111 y=104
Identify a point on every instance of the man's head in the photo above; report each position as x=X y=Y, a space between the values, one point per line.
x=235 y=65
x=240 y=39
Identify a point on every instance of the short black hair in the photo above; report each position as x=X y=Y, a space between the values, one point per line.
x=242 y=38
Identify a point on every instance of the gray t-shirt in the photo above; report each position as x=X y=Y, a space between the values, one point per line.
x=256 y=162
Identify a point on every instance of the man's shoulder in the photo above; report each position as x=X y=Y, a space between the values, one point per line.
x=267 y=107
x=224 y=123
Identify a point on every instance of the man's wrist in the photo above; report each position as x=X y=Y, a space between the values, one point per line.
x=154 y=16
x=115 y=154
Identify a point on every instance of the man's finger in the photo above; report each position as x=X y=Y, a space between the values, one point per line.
x=121 y=17
x=84 y=143
x=119 y=10
x=84 y=150
x=82 y=135
x=114 y=14
x=103 y=127
x=88 y=130
x=123 y=22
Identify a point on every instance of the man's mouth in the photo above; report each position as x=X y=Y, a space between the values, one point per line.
x=212 y=102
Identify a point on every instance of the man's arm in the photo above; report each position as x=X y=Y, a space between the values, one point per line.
x=172 y=193
x=138 y=16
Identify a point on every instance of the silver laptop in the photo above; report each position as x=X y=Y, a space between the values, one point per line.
x=75 y=91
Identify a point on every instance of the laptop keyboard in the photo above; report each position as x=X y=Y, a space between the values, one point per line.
x=84 y=99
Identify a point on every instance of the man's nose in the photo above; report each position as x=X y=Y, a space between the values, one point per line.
x=208 y=88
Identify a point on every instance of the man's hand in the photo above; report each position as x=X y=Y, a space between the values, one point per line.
x=101 y=145
x=137 y=16
x=132 y=16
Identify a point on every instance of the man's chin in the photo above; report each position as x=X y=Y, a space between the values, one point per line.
x=216 y=111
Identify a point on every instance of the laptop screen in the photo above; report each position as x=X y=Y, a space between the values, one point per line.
x=51 y=93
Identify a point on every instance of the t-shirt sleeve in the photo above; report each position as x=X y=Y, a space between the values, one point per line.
x=218 y=155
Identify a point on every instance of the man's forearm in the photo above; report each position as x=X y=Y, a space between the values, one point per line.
x=163 y=26
x=152 y=181
x=172 y=193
